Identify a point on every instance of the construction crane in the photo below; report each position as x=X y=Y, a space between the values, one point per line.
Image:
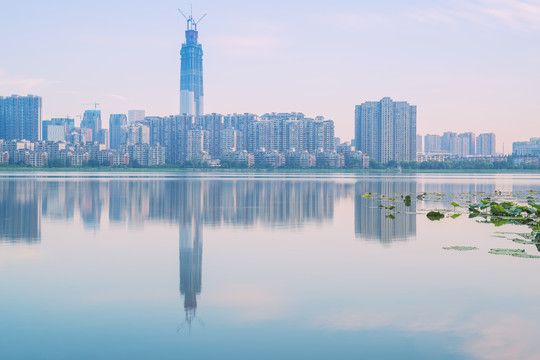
x=191 y=23
x=95 y=105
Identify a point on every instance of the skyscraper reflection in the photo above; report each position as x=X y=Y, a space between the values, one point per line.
x=20 y=211
x=92 y=198
x=190 y=266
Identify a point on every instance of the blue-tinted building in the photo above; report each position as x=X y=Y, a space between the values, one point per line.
x=68 y=123
x=92 y=120
x=191 y=72
x=117 y=125
x=57 y=129
x=20 y=118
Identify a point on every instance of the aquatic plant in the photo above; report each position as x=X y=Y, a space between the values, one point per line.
x=435 y=215
x=460 y=248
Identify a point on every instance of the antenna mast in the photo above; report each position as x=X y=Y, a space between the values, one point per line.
x=191 y=23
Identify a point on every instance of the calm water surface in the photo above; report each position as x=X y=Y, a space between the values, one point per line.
x=157 y=266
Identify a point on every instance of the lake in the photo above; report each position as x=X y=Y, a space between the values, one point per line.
x=261 y=266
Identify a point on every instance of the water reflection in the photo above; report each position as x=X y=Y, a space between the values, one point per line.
x=372 y=221
x=190 y=256
x=20 y=212
x=288 y=204
x=215 y=203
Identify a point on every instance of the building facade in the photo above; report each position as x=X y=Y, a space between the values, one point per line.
x=386 y=130
x=527 y=148
x=432 y=143
x=20 y=118
x=92 y=120
x=117 y=130
x=486 y=144
x=191 y=73
x=134 y=116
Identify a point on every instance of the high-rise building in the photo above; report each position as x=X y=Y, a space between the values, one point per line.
x=197 y=144
x=466 y=144
x=386 y=130
x=214 y=124
x=486 y=144
x=135 y=116
x=229 y=139
x=92 y=120
x=117 y=129
x=432 y=143
x=68 y=123
x=44 y=127
x=138 y=134
x=191 y=72
x=20 y=118
x=86 y=135
x=449 y=142
x=419 y=147
x=104 y=138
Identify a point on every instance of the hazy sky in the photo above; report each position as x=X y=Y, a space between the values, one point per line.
x=468 y=65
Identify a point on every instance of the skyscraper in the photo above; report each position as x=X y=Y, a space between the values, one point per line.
x=20 y=118
x=117 y=127
x=386 y=130
x=92 y=120
x=191 y=71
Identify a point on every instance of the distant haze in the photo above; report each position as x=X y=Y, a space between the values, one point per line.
x=468 y=65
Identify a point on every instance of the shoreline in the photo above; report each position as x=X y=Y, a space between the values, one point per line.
x=268 y=171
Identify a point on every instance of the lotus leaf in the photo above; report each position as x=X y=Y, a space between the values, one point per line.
x=435 y=215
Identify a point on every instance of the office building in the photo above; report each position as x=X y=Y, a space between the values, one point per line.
x=92 y=120
x=117 y=130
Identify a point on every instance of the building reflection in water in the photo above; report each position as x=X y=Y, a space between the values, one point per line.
x=190 y=204
x=371 y=222
x=20 y=211
x=190 y=266
x=194 y=203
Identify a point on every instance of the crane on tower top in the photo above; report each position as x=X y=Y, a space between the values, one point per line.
x=95 y=105
x=191 y=22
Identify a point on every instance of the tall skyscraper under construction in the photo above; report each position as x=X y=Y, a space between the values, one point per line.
x=191 y=71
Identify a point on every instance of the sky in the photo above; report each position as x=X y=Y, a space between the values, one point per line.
x=468 y=65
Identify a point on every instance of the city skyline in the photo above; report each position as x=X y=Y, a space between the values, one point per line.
x=480 y=44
